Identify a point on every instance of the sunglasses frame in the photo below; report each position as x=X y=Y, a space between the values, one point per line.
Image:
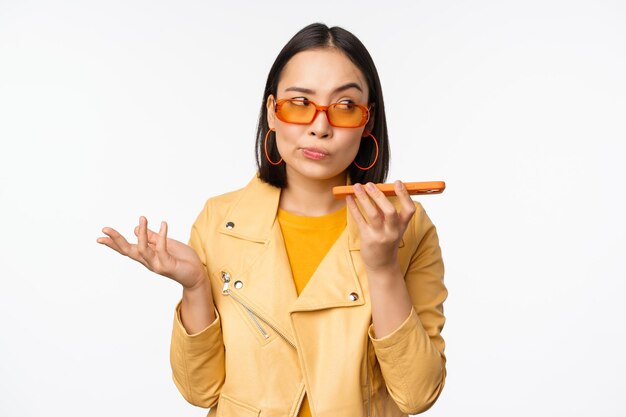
x=278 y=104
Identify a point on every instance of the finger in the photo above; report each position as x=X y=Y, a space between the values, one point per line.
x=374 y=216
x=127 y=249
x=107 y=241
x=384 y=205
x=142 y=240
x=161 y=242
x=120 y=244
x=356 y=213
x=407 y=204
x=152 y=235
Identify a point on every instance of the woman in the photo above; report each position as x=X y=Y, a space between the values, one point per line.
x=292 y=306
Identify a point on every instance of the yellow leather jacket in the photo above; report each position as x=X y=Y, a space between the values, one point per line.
x=268 y=346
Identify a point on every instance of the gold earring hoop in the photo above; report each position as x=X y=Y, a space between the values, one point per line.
x=368 y=133
x=267 y=156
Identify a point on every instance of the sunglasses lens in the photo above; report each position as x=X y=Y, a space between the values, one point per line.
x=346 y=115
x=293 y=111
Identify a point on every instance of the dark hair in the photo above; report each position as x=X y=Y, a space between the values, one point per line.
x=315 y=36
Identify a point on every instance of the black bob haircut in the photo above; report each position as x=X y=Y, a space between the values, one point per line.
x=319 y=36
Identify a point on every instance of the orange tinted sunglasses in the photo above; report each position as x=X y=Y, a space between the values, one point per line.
x=304 y=112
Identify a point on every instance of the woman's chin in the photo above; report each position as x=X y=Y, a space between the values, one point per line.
x=319 y=173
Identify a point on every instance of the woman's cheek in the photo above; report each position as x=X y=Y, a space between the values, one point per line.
x=286 y=141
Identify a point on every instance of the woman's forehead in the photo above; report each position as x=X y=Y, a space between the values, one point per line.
x=322 y=71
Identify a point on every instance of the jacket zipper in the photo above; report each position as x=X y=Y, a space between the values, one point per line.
x=253 y=314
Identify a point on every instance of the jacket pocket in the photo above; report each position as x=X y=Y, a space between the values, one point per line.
x=229 y=407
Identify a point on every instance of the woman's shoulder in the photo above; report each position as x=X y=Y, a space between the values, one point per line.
x=254 y=190
x=225 y=198
x=221 y=202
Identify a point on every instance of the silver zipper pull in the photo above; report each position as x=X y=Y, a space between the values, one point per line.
x=226 y=278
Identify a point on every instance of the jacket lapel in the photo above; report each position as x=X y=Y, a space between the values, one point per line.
x=264 y=269
x=335 y=282
x=339 y=279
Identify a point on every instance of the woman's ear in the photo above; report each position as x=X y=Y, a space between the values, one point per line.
x=271 y=115
x=370 y=123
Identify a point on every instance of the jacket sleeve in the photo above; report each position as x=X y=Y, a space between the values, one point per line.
x=197 y=359
x=412 y=358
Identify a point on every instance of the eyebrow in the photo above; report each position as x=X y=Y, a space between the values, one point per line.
x=338 y=89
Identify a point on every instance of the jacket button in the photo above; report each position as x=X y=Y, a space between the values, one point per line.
x=238 y=284
x=230 y=225
x=353 y=296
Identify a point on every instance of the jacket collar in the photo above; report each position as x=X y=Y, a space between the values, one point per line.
x=259 y=201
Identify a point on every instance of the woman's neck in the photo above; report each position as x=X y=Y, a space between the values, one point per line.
x=311 y=197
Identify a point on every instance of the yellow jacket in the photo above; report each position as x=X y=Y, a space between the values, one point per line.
x=268 y=346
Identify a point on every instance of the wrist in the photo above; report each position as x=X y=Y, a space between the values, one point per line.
x=197 y=302
x=384 y=273
x=201 y=285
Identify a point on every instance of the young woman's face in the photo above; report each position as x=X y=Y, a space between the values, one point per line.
x=319 y=150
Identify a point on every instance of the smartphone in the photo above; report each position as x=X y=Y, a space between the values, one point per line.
x=419 y=188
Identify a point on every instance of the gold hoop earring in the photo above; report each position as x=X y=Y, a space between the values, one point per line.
x=267 y=156
x=368 y=133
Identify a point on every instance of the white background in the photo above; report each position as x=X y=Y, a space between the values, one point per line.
x=115 y=109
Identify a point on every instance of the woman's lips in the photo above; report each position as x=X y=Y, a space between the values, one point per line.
x=314 y=153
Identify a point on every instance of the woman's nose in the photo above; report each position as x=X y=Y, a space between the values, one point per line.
x=320 y=126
